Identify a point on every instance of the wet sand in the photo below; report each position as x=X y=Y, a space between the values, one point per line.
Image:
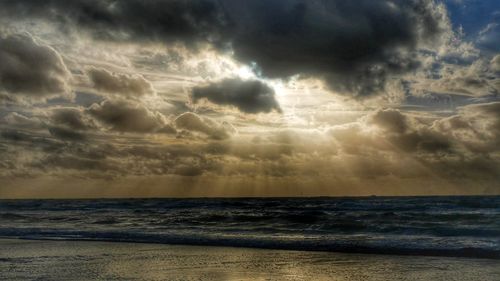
x=76 y=260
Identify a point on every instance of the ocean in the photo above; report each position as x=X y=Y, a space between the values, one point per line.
x=432 y=226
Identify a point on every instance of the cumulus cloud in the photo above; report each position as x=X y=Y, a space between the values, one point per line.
x=122 y=84
x=73 y=118
x=124 y=116
x=397 y=133
x=461 y=148
x=355 y=47
x=409 y=134
x=473 y=129
x=193 y=122
x=250 y=96
x=448 y=85
x=495 y=63
x=31 y=68
x=391 y=120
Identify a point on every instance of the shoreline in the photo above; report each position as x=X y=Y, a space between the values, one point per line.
x=81 y=260
x=251 y=197
x=467 y=253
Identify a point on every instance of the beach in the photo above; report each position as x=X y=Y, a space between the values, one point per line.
x=380 y=239
x=86 y=260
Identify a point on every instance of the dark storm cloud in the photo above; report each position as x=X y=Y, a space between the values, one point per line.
x=177 y=20
x=30 y=68
x=124 y=116
x=122 y=84
x=250 y=96
x=354 y=46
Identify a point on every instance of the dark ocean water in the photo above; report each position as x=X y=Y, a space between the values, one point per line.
x=440 y=226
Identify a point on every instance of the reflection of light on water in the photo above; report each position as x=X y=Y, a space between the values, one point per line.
x=132 y=261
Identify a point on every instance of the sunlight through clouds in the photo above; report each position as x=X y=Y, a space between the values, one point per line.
x=309 y=97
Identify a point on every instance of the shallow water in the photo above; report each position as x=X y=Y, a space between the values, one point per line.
x=438 y=226
x=73 y=260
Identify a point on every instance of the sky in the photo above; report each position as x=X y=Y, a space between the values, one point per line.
x=231 y=98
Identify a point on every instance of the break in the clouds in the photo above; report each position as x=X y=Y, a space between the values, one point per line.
x=249 y=98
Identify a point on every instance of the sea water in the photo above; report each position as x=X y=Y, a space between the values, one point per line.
x=434 y=226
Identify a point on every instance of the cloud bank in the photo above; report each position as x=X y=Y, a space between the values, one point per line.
x=354 y=47
x=392 y=97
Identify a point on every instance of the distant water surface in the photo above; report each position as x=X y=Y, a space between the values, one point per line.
x=435 y=226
